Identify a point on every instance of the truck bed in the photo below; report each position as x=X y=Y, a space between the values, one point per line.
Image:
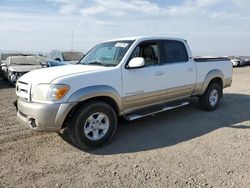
x=222 y=65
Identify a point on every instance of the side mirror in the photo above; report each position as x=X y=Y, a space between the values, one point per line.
x=58 y=59
x=137 y=62
x=3 y=65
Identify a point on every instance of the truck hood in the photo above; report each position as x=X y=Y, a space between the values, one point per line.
x=24 y=68
x=47 y=75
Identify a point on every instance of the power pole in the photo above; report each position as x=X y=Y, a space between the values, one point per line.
x=72 y=40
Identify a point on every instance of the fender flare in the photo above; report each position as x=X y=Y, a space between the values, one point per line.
x=211 y=75
x=96 y=91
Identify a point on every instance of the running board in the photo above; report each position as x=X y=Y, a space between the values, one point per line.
x=141 y=114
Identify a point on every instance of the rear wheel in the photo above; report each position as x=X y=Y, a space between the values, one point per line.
x=211 y=98
x=93 y=125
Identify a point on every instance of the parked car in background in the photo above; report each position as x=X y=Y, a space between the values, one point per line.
x=16 y=66
x=237 y=62
x=49 y=62
x=66 y=56
x=4 y=56
x=245 y=59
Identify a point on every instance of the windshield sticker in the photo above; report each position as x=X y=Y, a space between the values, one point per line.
x=121 y=45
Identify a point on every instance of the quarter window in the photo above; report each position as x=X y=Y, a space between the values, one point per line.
x=174 y=51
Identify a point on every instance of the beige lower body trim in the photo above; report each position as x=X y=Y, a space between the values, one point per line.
x=227 y=82
x=139 y=101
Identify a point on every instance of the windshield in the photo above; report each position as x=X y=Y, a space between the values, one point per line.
x=40 y=59
x=23 y=61
x=107 y=54
x=72 y=56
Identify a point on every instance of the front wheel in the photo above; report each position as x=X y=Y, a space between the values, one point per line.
x=93 y=125
x=211 y=98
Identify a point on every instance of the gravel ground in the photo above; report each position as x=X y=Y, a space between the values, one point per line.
x=185 y=147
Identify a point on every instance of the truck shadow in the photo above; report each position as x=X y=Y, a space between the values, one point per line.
x=176 y=126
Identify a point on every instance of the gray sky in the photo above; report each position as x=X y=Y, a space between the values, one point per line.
x=212 y=27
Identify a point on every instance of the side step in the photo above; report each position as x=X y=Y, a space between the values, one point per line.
x=151 y=111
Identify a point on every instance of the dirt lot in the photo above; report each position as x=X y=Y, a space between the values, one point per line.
x=185 y=147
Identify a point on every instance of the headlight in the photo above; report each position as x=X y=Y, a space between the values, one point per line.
x=49 y=92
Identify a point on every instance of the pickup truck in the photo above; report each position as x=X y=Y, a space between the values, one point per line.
x=130 y=77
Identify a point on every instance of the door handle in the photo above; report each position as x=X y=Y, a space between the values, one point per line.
x=159 y=73
x=190 y=69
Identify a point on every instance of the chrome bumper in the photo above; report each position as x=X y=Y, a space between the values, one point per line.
x=42 y=117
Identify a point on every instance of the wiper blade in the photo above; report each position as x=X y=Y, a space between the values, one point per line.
x=96 y=63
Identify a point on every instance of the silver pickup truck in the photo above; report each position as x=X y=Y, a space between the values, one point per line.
x=130 y=77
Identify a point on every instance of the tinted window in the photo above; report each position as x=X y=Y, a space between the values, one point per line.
x=72 y=56
x=149 y=51
x=174 y=51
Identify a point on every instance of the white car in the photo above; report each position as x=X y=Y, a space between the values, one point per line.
x=130 y=77
x=16 y=66
x=237 y=62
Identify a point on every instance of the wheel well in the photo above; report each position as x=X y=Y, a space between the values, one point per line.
x=105 y=99
x=218 y=81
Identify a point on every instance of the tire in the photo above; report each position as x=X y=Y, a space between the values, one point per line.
x=93 y=125
x=210 y=100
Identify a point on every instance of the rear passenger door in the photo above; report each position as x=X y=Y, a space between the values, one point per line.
x=180 y=69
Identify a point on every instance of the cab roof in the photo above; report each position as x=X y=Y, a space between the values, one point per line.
x=142 y=38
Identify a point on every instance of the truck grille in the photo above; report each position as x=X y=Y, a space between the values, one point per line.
x=23 y=90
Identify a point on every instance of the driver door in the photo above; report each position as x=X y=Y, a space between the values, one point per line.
x=144 y=86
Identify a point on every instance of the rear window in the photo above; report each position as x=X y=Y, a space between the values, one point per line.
x=72 y=56
x=174 y=51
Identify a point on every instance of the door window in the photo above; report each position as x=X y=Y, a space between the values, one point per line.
x=148 y=51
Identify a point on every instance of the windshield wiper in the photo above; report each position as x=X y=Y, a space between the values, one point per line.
x=96 y=63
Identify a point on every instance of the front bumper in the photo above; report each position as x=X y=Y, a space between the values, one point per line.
x=42 y=117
